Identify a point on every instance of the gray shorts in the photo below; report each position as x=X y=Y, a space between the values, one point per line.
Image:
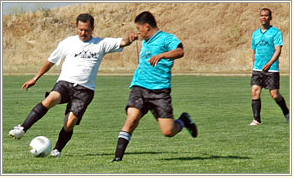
x=157 y=101
x=77 y=98
x=267 y=80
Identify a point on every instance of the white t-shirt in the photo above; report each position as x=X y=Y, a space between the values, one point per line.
x=82 y=59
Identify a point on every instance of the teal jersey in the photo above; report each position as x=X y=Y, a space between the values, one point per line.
x=263 y=43
x=158 y=77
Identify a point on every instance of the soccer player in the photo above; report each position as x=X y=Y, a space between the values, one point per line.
x=267 y=44
x=76 y=83
x=151 y=84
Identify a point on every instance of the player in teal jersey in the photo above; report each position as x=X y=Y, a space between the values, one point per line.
x=151 y=85
x=267 y=44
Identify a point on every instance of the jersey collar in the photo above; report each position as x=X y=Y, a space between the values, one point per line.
x=153 y=37
x=266 y=30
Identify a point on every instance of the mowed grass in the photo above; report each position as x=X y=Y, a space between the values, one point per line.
x=221 y=107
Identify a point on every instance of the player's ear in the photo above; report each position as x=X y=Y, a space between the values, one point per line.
x=270 y=17
x=147 y=26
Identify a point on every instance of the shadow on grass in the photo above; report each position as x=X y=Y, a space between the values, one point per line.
x=146 y=153
x=169 y=159
x=127 y=153
x=204 y=158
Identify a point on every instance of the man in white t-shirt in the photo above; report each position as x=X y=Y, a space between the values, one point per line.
x=75 y=86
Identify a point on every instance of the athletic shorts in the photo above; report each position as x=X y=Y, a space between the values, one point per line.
x=77 y=98
x=267 y=80
x=157 y=101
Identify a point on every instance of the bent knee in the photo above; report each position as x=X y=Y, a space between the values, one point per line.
x=275 y=95
x=256 y=91
x=168 y=133
x=68 y=127
x=52 y=99
x=70 y=121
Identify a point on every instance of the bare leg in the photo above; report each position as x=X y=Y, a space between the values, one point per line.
x=169 y=127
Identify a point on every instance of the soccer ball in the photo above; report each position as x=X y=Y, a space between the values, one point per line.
x=40 y=146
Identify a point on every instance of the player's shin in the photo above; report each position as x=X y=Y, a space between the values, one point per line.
x=180 y=123
x=37 y=113
x=63 y=138
x=282 y=104
x=122 y=143
x=256 y=108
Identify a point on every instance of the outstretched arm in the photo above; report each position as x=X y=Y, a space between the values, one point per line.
x=47 y=66
x=126 y=41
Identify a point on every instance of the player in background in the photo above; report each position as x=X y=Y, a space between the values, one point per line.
x=151 y=84
x=76 y=83
x=267 y=43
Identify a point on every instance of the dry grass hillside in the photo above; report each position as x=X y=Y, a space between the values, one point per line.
x=216 y=36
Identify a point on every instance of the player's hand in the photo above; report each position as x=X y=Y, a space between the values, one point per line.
x=133 y=36
x=28 y=84
x=154 y=60
x=266 y=67
x=128 y=39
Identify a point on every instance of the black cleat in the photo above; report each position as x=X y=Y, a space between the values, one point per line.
x=189 y=124
x=116 y=159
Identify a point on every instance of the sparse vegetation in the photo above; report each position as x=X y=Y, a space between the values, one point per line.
x=216 y=36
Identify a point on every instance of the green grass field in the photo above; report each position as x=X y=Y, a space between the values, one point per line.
x=221 y=107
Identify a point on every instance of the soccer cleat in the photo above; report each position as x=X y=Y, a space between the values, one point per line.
x=255 y=122
x=17 y=132
x=287 y=118
x=116 y=159
x=189 y=124
x=55 y=153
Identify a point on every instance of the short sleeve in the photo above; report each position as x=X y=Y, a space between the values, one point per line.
x=172 y=42
x=278 y=39
x=58 y=54
x=112 y=45
x=253 y=45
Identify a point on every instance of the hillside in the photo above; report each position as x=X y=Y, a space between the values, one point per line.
x=216 y=36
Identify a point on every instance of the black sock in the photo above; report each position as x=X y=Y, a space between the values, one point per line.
x=122 y=143
x=256 y=108
x=37 y=113
x=63 y=138
x=283 y=106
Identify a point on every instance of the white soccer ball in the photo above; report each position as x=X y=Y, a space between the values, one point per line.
x=40 y=146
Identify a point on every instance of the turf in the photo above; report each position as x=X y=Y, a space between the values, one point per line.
x=221 y=107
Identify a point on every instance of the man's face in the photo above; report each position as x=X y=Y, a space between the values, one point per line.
x=85 y=30
x=143 y=30
x=264 y=17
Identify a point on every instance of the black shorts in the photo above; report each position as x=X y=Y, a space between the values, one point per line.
x=77 y=98
x=267 y=80
x=157 y=101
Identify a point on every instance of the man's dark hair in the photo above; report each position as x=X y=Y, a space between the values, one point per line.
x=84 y=18
x=146 y=17
x=267 y=9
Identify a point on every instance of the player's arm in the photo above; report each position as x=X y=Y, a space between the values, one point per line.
x=278 y=50
x=253 y=57
x=47 y=66
x=174 y=54
x=127 y=40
